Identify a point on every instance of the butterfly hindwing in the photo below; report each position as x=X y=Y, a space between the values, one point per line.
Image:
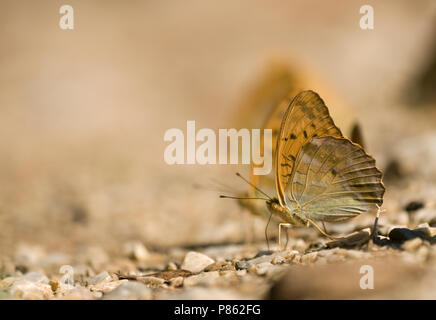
x=334 y=180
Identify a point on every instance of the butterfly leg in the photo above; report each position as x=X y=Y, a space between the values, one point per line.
x=323 y=226
x=287 y=225
x=375 y=228
x=322 y=232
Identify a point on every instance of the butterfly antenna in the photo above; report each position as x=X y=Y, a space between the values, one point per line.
x=256 y=188
x=242 y=198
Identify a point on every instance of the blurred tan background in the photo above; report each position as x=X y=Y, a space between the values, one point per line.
x=83 y=112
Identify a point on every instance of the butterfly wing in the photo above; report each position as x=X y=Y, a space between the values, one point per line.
x=334 y=180
x=266 y=182
x=273 y=122
x=306 y=117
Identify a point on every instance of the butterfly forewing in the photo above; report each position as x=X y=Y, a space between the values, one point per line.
x=306 y=117
x=273 y=122
x=334 y=180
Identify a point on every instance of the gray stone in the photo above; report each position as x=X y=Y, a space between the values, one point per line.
x=278 y=260
x=29 y=290
x=196 y=262
x=242 y=265
x=404 y=234
x=101 y=277
x=269 y=270
x=261 y=259
x=262 y=268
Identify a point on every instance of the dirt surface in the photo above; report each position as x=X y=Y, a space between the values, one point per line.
x=83 y=113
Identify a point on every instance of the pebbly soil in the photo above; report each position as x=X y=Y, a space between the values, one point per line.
x=82 y=119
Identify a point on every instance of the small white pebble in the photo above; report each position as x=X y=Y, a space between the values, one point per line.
x=196 y=262
x=172 y=266
x=278 y=260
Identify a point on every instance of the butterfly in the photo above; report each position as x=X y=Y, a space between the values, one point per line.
x=319 y=175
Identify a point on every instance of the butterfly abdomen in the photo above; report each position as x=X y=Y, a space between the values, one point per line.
x=293 y=217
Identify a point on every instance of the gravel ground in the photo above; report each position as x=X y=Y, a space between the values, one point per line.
x=317 y=269
x=89 y=209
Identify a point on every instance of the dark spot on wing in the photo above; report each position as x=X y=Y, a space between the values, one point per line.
x=293 y=136
x=290 y=158
x=305 y=134
x=313 y=125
